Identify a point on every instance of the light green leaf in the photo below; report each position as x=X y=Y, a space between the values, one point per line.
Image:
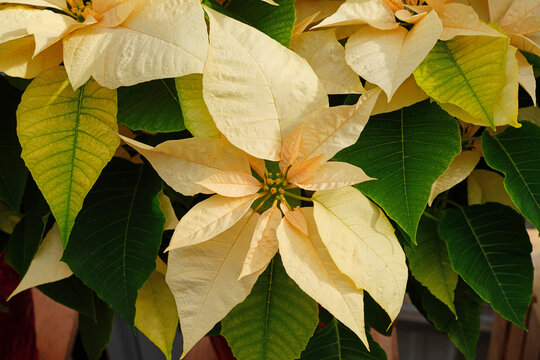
x=120 y=225
x=430 y=265
x=151 y=106
x=197 y=119
x=516 y=153
x=156 y=315
x=335 y=341
x=67 y=138
x=468 y=72
x=274 y=322
x=406 y=151
x=464 y=330
x=490 y=249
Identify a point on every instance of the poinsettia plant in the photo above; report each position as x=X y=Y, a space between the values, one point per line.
x=280 y=173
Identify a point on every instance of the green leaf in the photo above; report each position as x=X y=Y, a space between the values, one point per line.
x=96 y=334
x=274 y=322
x=406 y=151
x=516 y=153
x=13 y=173
x=468 y=72
x=530 y=113
x=376 y=317
x=490 y=249
x=71 y=292
x=534 y=60
x=335 y=341
x=430 y=265
x=197 y=119
x=27 y=235
x=120 y=225
x=151 y=106
x=275 y=21
x=464 y=330
x=67 y=137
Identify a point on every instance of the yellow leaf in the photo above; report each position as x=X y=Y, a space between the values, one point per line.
x=309 y=264
x=67 y=138
x=97 y=51
x=362 y=243
x=204 y=279
x=46 y=266
x=156 y=315
x=409 y=93
x=197 y=119
x=505 y=108
x=388 y=57
x=329 y=130
x=263 y=243
x=259 y=106
x=166 y=207
x=375 y=13
x=459 y=169
x=334 y=175
x=231 y=183
x=209 y=218
x=487 y=186
x=327 y=58
x=290 y=148
x=526 y=76
x=182 y=163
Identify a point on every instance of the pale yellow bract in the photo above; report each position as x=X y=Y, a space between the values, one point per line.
x=275 y=110
x=115 y=41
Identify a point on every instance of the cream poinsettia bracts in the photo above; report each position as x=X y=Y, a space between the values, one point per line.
x=115 y=41
x=388 y=39
x=243 y=186
x=278 y=138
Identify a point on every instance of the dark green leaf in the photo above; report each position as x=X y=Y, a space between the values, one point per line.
x=275 y=21
x=490 y=249
x=429 y=263
x=13 y=172
x=95 y=335
x=376 y=317
x=274 y=322
x=464 y=330
x=406 y=151
x=516 y=153
x=116 y=237
x=151 y=106
x=72 y=293
x=335 y=341
x=534 y=60
x=27 y=235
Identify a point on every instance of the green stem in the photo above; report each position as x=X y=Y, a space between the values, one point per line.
x=298 y=197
